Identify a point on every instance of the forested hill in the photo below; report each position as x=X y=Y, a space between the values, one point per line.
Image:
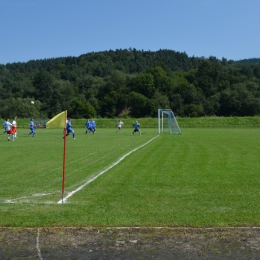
x=250 y=61
x=130 y=82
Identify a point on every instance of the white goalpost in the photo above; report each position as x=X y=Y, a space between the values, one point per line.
x=167 y=122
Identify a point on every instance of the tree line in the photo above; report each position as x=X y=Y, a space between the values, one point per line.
x=130 y=83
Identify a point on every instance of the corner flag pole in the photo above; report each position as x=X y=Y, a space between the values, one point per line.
x=60 y=121
x=64 y=163
x=64 y=159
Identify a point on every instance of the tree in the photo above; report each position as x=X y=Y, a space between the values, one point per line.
x=6 y=89
x=193 y=110
x=190 y=94
x=22 y=108
x=257 y=71
x=138 y=104
x=161 y=100
x=210 y=76
x=212 y=105
x=81 y=110
x=108 y=104
x=143 y=84
x=177 y=104
x=43 y=83
x=160 y=80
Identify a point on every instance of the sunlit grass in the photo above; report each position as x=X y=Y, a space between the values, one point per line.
x=203 y=177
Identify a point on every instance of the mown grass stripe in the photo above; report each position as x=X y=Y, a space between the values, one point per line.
x=201 y=178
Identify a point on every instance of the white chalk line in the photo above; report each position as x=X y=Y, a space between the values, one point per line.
x=102 y=172
x=38 y=244
x=26 y=199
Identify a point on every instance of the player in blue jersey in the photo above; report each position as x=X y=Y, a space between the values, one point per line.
x=136 y=126
x=88 y=126
x=93 y=126
x=70 y=129
x=31 y=125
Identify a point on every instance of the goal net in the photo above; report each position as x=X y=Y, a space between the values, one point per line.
x=40 y=122
x=167 y=122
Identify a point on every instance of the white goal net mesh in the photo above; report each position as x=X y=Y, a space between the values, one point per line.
x=167 y=122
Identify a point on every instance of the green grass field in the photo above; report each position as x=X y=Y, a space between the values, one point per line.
x=201 y=178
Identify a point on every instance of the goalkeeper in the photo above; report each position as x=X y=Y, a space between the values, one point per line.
x=136 y=128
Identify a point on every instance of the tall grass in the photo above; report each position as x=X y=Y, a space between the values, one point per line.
x=202 y=122
x=203 y=177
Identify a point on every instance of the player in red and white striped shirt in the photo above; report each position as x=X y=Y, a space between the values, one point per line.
x=14 y=128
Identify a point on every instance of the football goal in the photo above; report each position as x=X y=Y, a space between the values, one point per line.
x=167 y=122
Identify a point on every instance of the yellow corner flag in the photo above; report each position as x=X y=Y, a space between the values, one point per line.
x=59 y=121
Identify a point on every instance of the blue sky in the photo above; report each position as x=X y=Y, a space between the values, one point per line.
x=39 y=29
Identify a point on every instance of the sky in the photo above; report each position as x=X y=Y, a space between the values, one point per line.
x=43 y=29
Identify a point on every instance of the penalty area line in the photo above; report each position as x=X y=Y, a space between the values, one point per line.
x=102 y=172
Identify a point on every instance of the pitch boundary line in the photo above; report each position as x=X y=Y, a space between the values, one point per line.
x=102 y=172
x=38 y=244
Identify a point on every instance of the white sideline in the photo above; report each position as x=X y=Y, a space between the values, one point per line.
x=38 y=244
x=111 y=166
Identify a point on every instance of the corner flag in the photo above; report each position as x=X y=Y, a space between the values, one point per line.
x=59 y=121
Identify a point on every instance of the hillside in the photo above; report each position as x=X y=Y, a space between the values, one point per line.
x=130 y=82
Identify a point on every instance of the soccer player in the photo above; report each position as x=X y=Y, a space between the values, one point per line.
x=88 y=126
x=93 y=126
x=31 y=125
x=8 y=129
x=14 y=123
x=119 y=125
x=136 y=128
x=70 y=129
x=66 y=125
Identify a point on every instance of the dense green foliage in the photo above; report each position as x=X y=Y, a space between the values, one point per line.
x=130 y=83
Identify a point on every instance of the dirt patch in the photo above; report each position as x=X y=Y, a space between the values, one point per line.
x=129 y=243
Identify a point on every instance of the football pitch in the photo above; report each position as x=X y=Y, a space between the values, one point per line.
x=201 y=178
